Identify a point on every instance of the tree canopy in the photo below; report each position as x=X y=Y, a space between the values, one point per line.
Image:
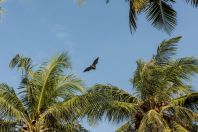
x=163 y=101
x=46 y=99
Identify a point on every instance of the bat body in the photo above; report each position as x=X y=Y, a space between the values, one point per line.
x=92 y=66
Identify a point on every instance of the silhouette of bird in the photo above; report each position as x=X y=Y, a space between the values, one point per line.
x=93 y=66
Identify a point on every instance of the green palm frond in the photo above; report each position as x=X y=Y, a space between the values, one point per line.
x=24 y=63
x=166 y=50
x=28 y=94
x=74 y=127
x=161 y=14
x=194 y=3
x=113 y=103
x=137 y=78
x=126 y=127
x=48 y=75
x=132 y=17
x=153 y=121
x=67 y=127
x=114 y=93
x=185 y=89
x=181 y=115
x=7 y=126
x=177 y=127
x=182 y=68
x=69 y=83
x=72 y=108
x=64 y=87
x=120 y=111
x=189 y=101
x=110 y=111
x=10 y=105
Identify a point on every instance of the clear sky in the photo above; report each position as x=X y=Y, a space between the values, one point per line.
x=42 y=28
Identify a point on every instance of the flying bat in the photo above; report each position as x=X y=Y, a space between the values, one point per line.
x=93 y=66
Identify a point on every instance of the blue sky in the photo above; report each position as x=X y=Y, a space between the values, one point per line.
x=42 y=28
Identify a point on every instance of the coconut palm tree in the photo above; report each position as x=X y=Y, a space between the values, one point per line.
x=160 y=13
x=163 y=100
x=45 y=100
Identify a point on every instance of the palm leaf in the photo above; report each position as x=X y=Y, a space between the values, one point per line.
x=181 y=115
x=194 y=3
x=153 y=121
x=189 y=101
x=114 y=93
x=48 y=72
x=181 y=69
x=10 y=105
x=72 y=108
x=178 y=128
x=161 y=14
x=132 y=17
x=166 y=50
x=126 y=127
x=138 y=76
x=21 y=63
x=7 y=126
x=113 y=103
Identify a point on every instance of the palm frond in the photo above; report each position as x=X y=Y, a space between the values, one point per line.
x=189 y=101
x=71 y=108
x=181 y=69
x=66 y=127
x=126 y=127
x=161 y=14
x=194 y=3
x=7 y=126
x=110 y=111
x=28 y=93
x=177 y=127
x=113 y=93
x=132 y=17
x=166 y=50
x=120 y=111
x=24 y=63
x=69 y=83
x=74 y=127
x=10 y=105
x=48 y=75
x=138 y=77
x=181 y=115
x=175 y=90
x=113 y=103
x=153 y=121
x=135 y=7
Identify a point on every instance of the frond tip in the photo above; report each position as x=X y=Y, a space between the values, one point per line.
x=194 y=3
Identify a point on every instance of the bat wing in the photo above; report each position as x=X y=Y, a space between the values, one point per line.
x=87 y=69
x=95 y=61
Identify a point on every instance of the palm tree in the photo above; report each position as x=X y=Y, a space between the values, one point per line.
x=159 y=12
x=163 y=101
x=47 y=98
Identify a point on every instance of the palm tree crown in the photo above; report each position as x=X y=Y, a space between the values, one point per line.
x=46 y=97
x=163 y=101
